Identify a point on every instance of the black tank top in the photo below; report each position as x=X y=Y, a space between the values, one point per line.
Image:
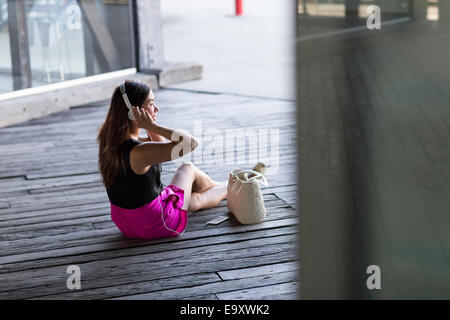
x=131 y=190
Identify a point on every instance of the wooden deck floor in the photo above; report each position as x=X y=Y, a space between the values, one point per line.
x=54 y=212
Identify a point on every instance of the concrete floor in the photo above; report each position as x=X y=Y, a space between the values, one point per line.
x=252 y=54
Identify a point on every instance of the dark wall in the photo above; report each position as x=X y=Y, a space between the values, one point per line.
x=374 y=156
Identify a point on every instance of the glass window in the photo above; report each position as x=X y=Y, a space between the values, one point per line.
x=61 y=40
x=5 y=56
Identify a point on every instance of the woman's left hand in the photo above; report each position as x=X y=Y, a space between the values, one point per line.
x=143 y=119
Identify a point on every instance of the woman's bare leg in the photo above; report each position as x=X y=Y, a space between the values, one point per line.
x=208 y=199
x=200 y=191
x=203 y=182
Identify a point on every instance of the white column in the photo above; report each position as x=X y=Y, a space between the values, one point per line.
x=150 y=35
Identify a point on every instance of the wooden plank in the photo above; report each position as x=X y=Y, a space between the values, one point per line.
x=4 y=205
x=288 y=196
x=258 y=271
x=50 y=182
x=261 y=283
x=17 y=217
x=24 y=203
x=72 y=189
x=139 y=287
x=17 y=207
x=202 y=297
x=62 y=230
x=290 y=289
x=42 y=227
x=20 y=148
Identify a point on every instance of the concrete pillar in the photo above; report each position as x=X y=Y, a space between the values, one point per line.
x=149 y=35
x=419 y=9
x=150 y=46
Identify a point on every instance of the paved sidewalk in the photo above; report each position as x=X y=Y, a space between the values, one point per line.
x=252 y=54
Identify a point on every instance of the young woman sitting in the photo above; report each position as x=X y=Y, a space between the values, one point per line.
x=130 y=167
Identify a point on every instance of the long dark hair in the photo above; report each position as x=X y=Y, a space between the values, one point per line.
x=116 y=129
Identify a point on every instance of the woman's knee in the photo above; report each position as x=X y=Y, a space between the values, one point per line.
x=184 y=176
x=187 y=167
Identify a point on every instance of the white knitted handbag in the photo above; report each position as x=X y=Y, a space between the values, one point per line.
x=245 y=199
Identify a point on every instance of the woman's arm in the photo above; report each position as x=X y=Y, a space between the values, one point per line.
x=180 y=142
x=152 y=137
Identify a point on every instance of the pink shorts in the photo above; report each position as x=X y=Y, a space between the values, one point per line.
x=146 y=222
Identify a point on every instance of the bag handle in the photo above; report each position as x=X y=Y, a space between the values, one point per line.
x=259 y=177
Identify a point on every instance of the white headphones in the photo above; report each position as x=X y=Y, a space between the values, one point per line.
x=127 y=102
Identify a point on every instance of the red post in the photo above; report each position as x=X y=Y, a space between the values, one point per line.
x=239 y=7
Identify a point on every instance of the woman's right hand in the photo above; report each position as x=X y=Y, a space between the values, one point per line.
x=143 y=118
